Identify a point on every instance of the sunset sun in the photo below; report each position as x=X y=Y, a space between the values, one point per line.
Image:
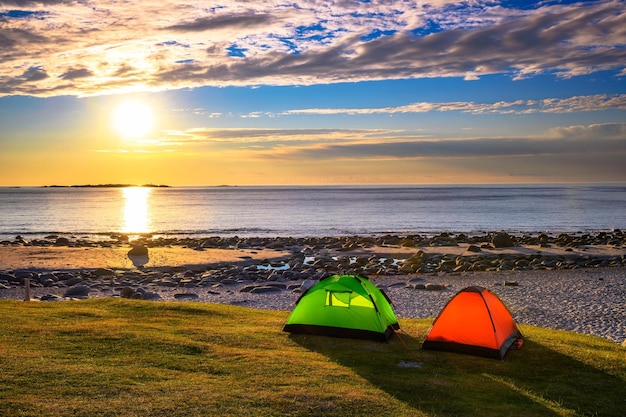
x=133 y=119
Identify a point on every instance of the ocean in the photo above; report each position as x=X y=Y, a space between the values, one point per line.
x=309 y=211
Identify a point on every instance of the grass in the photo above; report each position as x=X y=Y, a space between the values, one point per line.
x=113 y=357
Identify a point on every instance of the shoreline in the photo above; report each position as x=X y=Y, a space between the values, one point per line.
x=567 y=282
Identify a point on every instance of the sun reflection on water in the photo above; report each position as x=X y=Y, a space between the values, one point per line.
x=136 y=210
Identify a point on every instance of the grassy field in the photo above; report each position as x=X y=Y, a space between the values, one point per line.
x=113 y=357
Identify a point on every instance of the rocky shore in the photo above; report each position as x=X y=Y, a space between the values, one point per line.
x=566 y=281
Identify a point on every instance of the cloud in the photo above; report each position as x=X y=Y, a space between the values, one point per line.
x=74 y=74
x=233 y=21
x=34 y=74
x=606 y=131
x=596 y=139
x=30 y=3
x=596 y=102
x=167 y=44
x=239 y=135
x=592 y=141
x=450 y=149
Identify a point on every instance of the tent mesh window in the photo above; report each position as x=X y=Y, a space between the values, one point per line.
x=338 y=299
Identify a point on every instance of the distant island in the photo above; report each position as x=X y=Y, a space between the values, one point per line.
x=106 y=186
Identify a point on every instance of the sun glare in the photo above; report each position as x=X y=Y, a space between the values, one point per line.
x=133 y=119
x=136 y=210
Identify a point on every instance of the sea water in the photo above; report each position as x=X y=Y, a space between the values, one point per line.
x=310 y=211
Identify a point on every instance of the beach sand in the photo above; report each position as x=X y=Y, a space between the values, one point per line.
x=73 y=258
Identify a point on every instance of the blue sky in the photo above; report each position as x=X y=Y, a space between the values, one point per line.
x=267 y=92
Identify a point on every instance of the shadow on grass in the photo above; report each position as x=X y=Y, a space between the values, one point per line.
x=534 y=381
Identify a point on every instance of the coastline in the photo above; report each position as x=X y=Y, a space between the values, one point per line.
x=575 y=283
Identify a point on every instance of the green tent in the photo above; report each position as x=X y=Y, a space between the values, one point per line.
x=344 y=306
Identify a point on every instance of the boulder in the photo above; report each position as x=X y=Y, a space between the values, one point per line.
x=77 y=291
x=62 y=241
x=138 y=250
x=503 y=240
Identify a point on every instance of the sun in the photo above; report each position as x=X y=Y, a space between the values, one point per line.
x=133 y=119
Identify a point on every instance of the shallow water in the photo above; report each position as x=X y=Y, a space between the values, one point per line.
x=310 y=211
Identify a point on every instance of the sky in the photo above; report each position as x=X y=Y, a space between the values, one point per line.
x=312 y=92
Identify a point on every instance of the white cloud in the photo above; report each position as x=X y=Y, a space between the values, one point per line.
x=85 y=48
x=552 y=105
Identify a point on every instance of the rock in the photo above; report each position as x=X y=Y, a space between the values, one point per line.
x=502 y=240
x=138 y=250
x=73 y=281
x=62 y=241
x=511 y=283
x=8 y=277
x=167 y=282
x=413 y=263
x=473 y=248
x=247 y=288
x=150 y=296
x=50 y=297
x=127 y=292
x=21 y=275
x=138 y=255
x=77 y=291
x=434 y=287
x=264 y=289
x=408 y=243
x=186 y=296
x=416 y=286
x=307 y=283
x=444 y=239
x=47 y=277
x=101 y=272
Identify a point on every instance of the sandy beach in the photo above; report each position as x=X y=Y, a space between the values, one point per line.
x=579 y=285
x=75 y=258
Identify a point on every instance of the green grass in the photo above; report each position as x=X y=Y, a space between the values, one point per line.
x=110 y=357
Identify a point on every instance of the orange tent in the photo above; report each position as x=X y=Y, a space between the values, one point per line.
x=476 y=322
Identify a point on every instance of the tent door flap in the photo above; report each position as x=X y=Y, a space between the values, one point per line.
x=338 y=298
